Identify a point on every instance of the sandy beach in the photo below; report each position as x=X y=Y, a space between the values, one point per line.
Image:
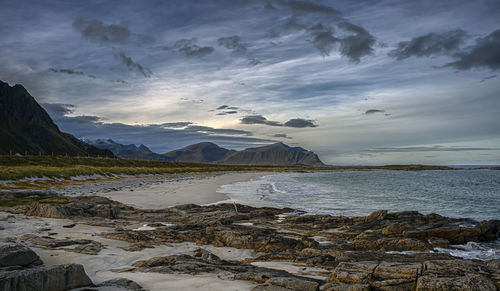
x=192 y=189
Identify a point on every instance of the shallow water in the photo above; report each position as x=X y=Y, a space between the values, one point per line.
x=461 y=193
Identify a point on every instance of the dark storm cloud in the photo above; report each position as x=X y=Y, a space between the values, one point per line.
x=96 y=30
x=323 y=38
x=485 y=53
x=306 y=7
x=133 y=65
x=295 y=122
x=300 y=123
x=259 y=119
x=66 y=71
x=373 y=111
x=227 y=112
x=232 y=43
x=194 y=50
x=358 y=45
x=436 y=148
x=430 y=44
x=282 y=135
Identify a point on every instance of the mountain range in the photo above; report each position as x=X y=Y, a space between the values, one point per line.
x=207 y=152
x=26 y=128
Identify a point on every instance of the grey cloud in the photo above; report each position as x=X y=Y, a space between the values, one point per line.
x=282 y=135
x=436 y=148
x=59 y=108
x=429 y=44
x=259 y=119
x=222 y=107
x=227 y=112
x=96 y=30
x=253 y=62
x=485 y=53
x=306 y=7
x=66 y=71
x=179 y=124
x=228 y=131
x=373 y=111
x=232 y=43
x=358 y=45
x=487 y=78
x=196 y=51
x=323 y=38
x=300 y=123
x=133 y=65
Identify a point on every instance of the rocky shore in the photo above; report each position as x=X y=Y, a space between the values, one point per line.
x=263 y=248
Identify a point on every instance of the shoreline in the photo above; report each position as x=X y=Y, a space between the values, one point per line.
x=189 y=189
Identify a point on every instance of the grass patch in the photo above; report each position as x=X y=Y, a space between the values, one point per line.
x=15 y=168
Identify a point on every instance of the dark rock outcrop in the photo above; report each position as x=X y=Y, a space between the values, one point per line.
x=18 y=255
x=25 y=127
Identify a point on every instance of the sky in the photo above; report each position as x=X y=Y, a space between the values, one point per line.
x=357 y=82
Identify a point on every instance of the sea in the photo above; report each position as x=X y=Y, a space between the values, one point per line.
x=466 y=193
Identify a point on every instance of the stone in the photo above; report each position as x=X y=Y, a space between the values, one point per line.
x=18 y=255
x=462 y=283
x=41 y=278
x=121 y=283
x=294 y=283
x=353 y=272
x=335 y=286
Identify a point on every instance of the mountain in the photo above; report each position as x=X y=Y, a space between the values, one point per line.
x=128 y=151
x=274 y=154
x=25 y=127
x=204 y=152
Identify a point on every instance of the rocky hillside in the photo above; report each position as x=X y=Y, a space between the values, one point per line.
x=130 y=151
x=274 y=154
x=25 y=127
x=204 y=152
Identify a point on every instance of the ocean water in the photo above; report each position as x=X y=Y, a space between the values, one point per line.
x=459 y=193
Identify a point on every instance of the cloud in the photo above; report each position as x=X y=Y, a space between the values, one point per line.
x=66 y=71
x=253 y=62
x=429 y=44
x=306 y=7
x=179 y=124
x=259 y=119
x=436 y=148
x=282 y=135
x=232 y=43
x=487 y=78
x=227 y=112
x=300 y=123
x=485 y=53
x=133 y=65
x=196 y=51
x=323 y=38
x=96 y=30
x=59 y=108
x=358 y=45
x=373 y=111
x=161 y=137
x=222 y=107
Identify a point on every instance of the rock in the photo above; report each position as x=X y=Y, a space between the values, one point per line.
x=53 y=278
x=386 y=270
x=18 y=255
x=90 y=249
x=358 y=272
x=122 y=283
x=465 y=283
x=294 y=283
x=377 y=215
x=69 y=225
x=269 y=287
x=334 y=286
x=51 y=243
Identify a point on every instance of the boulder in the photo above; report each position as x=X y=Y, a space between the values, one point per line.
x=53 y=278
x=122 y=283
x=18 y=255
x=462 y=283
